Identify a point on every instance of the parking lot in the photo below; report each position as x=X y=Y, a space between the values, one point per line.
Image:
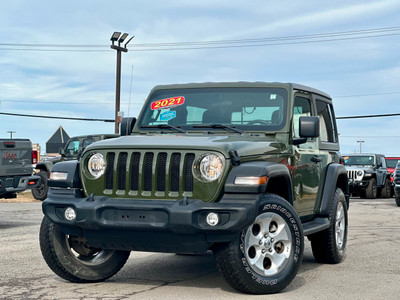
x=371 y=269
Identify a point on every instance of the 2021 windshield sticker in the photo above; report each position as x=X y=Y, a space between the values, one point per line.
x=167 y=103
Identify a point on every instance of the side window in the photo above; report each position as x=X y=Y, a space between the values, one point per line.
x=87 y=142
x=302 y=107
x=327 y=126
x=382 y=160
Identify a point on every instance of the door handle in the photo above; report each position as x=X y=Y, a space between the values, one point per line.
x=316 y=159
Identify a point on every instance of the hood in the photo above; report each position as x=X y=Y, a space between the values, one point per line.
x=245 y=145
x=359 y=167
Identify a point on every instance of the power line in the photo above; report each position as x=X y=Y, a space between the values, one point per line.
x=368 y=116
x=238 y=43
x=367 y=95
x=110 y=120
x=370 y=136
x=54 y=117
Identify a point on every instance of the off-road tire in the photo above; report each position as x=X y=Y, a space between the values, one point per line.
x=275 y=238
x=386 y=189
x=397 y=199
x=41 y=190
x=61 y=253
x=371 y=190
x=329 y=245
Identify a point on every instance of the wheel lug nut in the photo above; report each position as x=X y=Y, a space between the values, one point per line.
x=263 y=250
x=270 y=250
x=272 y=240
x=266 y=235
x=260 y=242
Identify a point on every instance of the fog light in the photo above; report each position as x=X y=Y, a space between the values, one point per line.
x=212 y=219
x=70 y=214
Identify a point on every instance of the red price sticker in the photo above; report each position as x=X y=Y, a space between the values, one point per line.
x=167 y=103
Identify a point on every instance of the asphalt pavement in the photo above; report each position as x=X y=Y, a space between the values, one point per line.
x=371 y=269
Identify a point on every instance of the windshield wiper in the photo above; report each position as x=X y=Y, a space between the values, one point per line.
x=222 y=126
x=167 y=126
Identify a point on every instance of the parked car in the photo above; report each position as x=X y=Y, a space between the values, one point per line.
x=391 y=162
x=16 y=166
x=368 y=175
x=397 y=184
x=71 y=151
x=248 y=170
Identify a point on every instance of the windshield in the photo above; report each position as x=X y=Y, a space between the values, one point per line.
x=241 y=108
x=362 y=160
x=391 y=162
x=72 y=147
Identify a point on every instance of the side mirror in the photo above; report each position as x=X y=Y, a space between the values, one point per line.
x=61 y=151
x=309 y=127
x=127 y=125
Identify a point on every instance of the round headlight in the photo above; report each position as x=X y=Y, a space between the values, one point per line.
x=211 y=167
x=96 y=165
x=359 y=173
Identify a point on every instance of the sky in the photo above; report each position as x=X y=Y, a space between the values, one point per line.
x=55 y=59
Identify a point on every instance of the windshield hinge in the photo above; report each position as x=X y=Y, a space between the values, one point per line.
x=235 y=158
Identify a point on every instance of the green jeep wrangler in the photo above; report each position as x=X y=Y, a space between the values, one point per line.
x=246 y=170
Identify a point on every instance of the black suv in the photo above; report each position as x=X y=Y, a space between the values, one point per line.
x=368 y=175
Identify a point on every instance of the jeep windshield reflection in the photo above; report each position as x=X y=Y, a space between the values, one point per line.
x=362 y=160
x=229 y=109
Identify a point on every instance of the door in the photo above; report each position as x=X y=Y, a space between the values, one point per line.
x=306 y=171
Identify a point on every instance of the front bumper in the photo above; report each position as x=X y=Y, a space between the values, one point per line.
x=17 y=184
x=397 y=190
x=150 y=225
x=357 y=185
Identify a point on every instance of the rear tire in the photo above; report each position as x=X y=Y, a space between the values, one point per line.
x=397 y=199
x=73 y=259
x=40 y=191
x=329 y=245
x=265 y=257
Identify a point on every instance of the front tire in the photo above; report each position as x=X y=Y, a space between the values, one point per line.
x=371 y=190
x=41 y=190
x=386 y=189
x=265 y=257
x=397 y=199
x=329 y=245
x=73 y=259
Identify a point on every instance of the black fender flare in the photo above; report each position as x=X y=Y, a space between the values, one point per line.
x=71 y=167
x=336 y=176
x=275 y=173
x=44 y=166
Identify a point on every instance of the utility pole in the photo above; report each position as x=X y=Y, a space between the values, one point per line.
x=360 y=145
x=116 y=38
x=11 y=133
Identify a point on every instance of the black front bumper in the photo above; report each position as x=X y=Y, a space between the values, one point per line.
x=150 y=225
x=356 y=186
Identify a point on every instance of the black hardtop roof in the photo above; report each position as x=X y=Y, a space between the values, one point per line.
x=288 y=85
x=107 y=135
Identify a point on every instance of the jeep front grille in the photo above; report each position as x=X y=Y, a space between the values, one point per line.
x=355 y=174
x=141 y=173
x=352 y=174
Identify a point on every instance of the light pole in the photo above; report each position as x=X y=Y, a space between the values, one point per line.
x=116 y=38
x=360 y=144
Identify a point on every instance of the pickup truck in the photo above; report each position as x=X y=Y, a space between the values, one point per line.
x=16 y=167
